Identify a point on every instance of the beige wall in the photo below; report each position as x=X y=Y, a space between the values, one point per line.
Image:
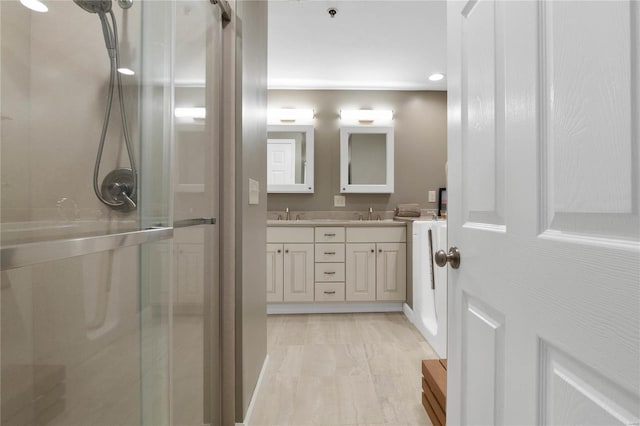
x=55 y=71
x=251 y=154
x=420 y=146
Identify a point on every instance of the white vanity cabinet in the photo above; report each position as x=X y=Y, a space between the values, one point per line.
x=189 y=267
x=290 y=259
x=327 y=268
x=329 y=286
x=361 y=272
x=376 y=264
x=275 y=272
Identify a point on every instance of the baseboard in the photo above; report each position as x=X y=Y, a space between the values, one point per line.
x=332 y=308
x=247 y=418
x=408 y=312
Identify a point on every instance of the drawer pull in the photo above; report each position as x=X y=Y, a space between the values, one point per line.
x=330 y=235
x=330 y=273
x=329 y=253
x=330 y=292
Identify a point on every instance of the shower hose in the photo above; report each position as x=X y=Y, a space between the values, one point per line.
x=114 y=58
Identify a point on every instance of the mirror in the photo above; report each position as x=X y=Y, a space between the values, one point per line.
x=289 y=158
x=366 y=159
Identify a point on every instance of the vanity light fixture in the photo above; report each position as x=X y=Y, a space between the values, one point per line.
x=35 y=5
x=198 y=113
x=290 y=115
x=366 y=116
x=436 y=76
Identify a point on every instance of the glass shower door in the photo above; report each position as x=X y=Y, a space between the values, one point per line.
x=85 y=289
x=196 y=337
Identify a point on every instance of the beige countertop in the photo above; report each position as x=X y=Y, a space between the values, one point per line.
x=335 y=222
x=421 y=218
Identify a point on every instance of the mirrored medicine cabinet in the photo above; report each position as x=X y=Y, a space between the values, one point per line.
x=366 y=159
x=290 y=158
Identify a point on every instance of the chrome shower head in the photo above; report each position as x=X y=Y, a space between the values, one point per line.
x=95 y=6
x=101 y=7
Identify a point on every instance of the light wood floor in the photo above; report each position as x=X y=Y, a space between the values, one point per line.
x=342 y=369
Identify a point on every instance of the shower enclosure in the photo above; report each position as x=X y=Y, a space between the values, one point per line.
x=109 y=315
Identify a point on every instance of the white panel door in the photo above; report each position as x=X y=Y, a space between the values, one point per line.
x=360 y=274
x=275 y=272
x=281 y=154
x=544 y=187
x=298 y=272
x=391 y=271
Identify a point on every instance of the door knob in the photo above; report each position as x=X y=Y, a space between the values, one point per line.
x=453 y=257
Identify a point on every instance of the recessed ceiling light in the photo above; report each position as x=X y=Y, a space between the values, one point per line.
x=436 y=76
x=35 y=5
x=126 y=71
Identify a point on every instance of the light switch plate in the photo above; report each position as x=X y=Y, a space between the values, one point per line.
x=254 y=192
x=339 y=201
x=432 y=196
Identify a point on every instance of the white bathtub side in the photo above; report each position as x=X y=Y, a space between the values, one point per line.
x=430 y=307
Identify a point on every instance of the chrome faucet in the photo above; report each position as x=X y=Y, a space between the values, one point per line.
x=370 y=215
x=287 y=214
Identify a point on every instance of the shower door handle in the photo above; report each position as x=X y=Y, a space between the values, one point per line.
x=194 y=222
x=453 y=257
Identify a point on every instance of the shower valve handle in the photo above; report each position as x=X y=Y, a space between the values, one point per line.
x=121 y=191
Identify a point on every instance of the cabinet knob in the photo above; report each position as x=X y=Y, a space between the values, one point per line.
x=286 y=251
x=279 y=251
x=373 y=251
x=379 y=250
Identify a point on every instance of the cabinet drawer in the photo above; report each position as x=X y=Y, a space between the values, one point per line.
x=329 y=292
x=329 y=271
x=293 y=234
x=329 y=234
x=329 y=252
x=377 y=235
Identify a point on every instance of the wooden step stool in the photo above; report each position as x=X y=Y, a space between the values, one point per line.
x=434 y=390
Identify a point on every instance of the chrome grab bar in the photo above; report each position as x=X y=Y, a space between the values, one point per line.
x=194 y=222
x=20 y=255
x=433 y=275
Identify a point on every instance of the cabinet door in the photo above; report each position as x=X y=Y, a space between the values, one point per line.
x=298 y=272
x=391 y=271
x=275 y=272
x=360 y=277
x=190 y=274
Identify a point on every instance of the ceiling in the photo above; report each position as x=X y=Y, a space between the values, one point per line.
x=370 y=44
